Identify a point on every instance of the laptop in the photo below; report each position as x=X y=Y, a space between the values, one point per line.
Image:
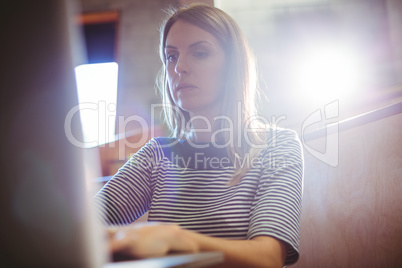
x=46 y=217
x=203 y=259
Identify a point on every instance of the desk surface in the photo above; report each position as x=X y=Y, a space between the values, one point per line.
x=204 y=259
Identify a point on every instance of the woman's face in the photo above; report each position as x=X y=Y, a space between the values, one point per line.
x=195 y=65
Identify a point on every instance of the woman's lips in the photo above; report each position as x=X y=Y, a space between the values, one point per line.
x=184 y=87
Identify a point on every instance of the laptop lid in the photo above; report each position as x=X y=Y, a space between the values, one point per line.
x=46 y=219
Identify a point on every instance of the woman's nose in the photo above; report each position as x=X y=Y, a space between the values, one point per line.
x=181 y=65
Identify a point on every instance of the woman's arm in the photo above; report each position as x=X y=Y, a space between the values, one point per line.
x=141 y=241
x=261 y=251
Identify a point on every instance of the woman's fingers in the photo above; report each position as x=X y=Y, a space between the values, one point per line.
x=141 y=241
x=120 y=241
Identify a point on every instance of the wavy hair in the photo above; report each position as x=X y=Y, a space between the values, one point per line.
x=240 y=91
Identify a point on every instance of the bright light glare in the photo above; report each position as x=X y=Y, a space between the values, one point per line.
x=97 y=94
x=327 y=72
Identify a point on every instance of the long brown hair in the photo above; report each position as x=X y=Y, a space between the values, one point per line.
x=240 y=90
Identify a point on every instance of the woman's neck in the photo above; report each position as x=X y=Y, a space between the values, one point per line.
x=203 y=127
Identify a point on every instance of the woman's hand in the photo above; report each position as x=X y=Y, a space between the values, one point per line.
x=155 y=240
x=148 y=240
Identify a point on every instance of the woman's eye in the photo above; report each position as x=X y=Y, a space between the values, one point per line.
x=200 y=54
x=171 y=57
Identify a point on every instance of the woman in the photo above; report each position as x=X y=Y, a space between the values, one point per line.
x=224 y=181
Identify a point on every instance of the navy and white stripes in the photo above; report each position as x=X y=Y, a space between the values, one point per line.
x=180 y=184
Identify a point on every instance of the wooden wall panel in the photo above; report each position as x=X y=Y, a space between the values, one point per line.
x=352 y=214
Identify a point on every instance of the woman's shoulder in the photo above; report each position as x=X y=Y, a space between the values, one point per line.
x=155 y=147
x=278 y=138
x=162 y=144
x=154 y=144
x=284 y=134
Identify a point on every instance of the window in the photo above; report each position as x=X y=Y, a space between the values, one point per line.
x=97 y=80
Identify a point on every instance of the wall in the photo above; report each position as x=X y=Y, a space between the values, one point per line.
x=352 y=213
x=280 y=31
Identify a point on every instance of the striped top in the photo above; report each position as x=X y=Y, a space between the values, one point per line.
x=187 y=184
